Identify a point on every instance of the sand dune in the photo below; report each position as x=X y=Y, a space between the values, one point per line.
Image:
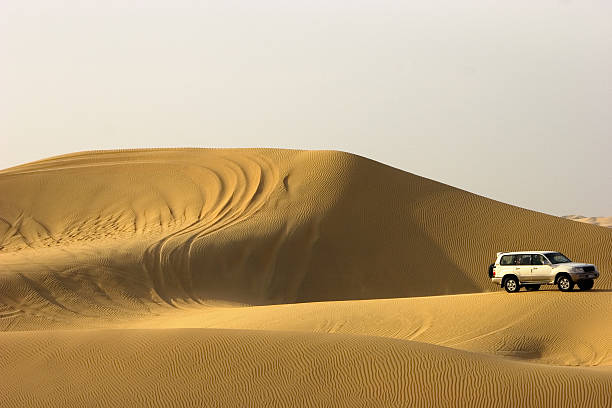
x=190 y=275
x=601 y=221
x=198 y=367
x=256 y=227
x=526 y=327
x=545 y=327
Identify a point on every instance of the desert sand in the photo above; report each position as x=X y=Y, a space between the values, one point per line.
x=262 y=277
x=602 y=221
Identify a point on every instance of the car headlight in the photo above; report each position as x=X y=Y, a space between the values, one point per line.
x=577 y=269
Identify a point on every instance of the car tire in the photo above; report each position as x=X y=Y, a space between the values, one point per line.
x=512 y=285
x=491 y=270
x=565 y=283
x=532 y=287
x=586 y=284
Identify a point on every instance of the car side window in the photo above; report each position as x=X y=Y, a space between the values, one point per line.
x=507 y=260
x=537 y=259
x=524 y=260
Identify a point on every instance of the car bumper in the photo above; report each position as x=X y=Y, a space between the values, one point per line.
x=584 y=275
x=497 y=281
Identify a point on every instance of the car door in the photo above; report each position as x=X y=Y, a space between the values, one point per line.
x=541 y=271
x=523 y=267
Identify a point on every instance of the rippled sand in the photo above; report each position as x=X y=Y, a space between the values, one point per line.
x=197 y=277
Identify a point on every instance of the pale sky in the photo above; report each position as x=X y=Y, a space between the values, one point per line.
x=508 y=99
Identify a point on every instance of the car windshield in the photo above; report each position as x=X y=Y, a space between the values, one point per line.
x=557 y=258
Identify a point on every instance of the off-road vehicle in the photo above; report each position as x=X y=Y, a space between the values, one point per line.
x=531 y=269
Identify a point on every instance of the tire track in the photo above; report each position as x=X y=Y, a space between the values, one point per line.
x=237 y=189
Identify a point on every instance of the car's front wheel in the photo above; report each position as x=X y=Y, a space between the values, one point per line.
x=565 y=283
x=512 y=285
x=586 y=284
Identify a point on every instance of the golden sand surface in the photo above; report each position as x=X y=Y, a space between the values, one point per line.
x=602 y=221
x=264 y=277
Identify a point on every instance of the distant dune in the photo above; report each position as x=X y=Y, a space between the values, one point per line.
x=601 y=221
x=186 y=277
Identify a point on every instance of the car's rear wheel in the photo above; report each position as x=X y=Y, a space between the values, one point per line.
x=532 y=287
x=565 y=283
x=586 y=284
x=512 y=285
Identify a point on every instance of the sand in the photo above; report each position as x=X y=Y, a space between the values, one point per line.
x=602 y=221
x=242 y=277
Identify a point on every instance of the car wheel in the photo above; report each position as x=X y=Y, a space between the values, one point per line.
x=586 y=284
x=565 y=283
x=512 y=285
x=532 y=287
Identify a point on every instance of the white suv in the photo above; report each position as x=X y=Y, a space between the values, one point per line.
x=530 y=269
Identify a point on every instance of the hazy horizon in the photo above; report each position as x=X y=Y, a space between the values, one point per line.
x=509 y=101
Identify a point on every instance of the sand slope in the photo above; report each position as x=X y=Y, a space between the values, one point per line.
x=200 y=367
x=181 y=273
x=545 y=327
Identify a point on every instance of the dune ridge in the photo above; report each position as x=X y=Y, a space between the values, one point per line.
x=212 y=275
